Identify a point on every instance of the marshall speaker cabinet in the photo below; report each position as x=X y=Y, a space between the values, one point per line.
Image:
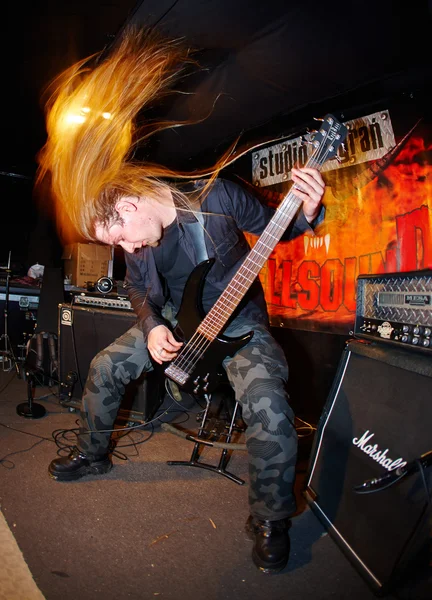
x=375 y=424
x=86 y=329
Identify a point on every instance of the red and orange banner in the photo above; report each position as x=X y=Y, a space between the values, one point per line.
x=378 y=220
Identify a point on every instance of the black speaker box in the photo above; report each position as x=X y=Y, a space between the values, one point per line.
x=83 y=332
x=377 y=417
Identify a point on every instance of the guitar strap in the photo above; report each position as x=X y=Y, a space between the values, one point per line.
x=197 y=232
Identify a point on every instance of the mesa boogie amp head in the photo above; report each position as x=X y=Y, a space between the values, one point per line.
x=395 y=308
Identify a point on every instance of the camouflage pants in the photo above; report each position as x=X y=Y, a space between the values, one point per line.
x=258 y=374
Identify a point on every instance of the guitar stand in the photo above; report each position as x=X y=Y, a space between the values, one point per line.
x=210 y=432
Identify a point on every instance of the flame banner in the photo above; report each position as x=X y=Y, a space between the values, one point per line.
x=378 y=220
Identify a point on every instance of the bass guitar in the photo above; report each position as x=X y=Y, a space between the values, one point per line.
x=197 y=369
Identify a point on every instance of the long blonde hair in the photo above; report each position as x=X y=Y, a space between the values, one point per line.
x=91 y=115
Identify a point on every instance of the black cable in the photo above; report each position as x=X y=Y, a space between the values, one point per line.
x=169 y=9
x=421 y=468
x=384 y=487
x=67 y=444
x=8 y=382
x=40 y=439
x=39 y=375
x=391 y=478
x=121 y=431
x=41 y=383
x=4 y=462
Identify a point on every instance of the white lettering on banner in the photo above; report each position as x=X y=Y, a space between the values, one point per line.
x=380 y=456
x=369 y=138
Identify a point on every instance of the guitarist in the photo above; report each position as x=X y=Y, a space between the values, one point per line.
x=111 y=200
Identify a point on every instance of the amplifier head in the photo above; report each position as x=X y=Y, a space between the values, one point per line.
x=396 y=308
x=111 y=300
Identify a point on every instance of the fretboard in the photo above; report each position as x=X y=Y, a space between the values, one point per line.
x=228 y=301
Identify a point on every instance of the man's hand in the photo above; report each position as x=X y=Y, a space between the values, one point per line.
x=162 y=344
x=309 y=187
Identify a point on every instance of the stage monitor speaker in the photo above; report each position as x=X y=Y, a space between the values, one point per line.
x=377 y=417
x=83 y=332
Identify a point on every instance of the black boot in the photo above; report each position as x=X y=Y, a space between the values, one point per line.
x=77 y=464
x=271 y=543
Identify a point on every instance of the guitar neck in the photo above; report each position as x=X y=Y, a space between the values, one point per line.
x=230 y=298
x=331 y=136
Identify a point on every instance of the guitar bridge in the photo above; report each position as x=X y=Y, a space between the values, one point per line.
x=176 y=374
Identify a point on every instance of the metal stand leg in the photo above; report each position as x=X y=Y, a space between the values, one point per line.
x=204 y=439
x=30 y=409
x=7 y=354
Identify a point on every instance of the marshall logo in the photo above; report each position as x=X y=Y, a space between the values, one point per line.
x=380 y=456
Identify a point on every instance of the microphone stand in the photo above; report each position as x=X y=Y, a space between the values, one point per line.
x=7 y=352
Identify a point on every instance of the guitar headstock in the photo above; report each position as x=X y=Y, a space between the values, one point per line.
x=328 y=139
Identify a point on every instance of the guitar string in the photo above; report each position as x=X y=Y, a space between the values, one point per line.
x=213 y=319
x=216 y=317
x=212 y=315
x=199 y=342
x=197 y=347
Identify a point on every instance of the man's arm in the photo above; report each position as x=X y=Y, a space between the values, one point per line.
x=310 y=188
x=146 y=305
x=161 y=342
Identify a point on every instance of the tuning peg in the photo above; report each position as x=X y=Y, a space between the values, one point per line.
x=337 y=157
x=318 y=119
x=303 y=140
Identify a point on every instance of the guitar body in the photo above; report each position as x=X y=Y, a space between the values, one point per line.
x=208 y=370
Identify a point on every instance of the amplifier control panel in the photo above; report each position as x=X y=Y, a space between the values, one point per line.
x=108 y=301
x=418 y=336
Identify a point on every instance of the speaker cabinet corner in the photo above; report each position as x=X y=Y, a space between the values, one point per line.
x=377 y=416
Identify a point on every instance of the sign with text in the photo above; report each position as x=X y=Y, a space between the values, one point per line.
x=378 y=220
x=369 y=138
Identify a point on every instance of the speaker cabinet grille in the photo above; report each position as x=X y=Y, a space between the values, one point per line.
x=377 y=415
x=83 y=332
